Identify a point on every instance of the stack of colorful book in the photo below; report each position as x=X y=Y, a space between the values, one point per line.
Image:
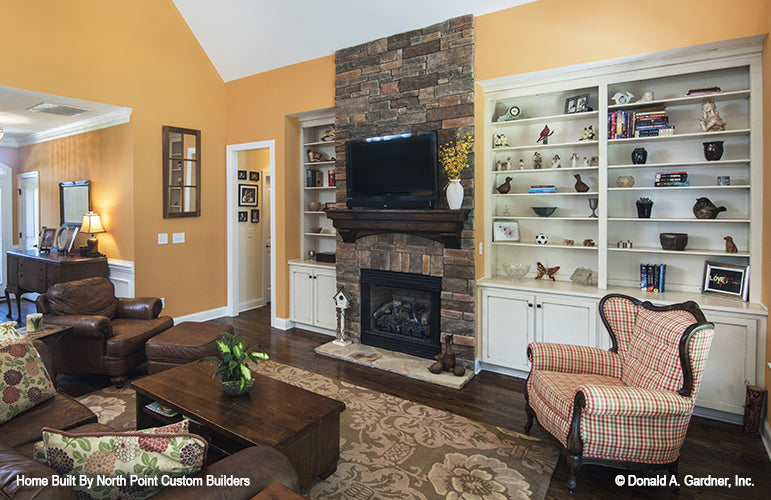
x=543 y=188
x=313 y=178
x=664 y=179
x=648 y=122
x=652 y=277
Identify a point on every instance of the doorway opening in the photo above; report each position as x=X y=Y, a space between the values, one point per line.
x=251 y=228
x=6 y=218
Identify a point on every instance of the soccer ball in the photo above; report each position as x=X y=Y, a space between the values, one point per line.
x=541 y=239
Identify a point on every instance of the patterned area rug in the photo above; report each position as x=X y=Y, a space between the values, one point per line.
x=391 y=448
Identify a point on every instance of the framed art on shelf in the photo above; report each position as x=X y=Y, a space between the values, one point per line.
x=247 y=195
x=505 y=231
x=577 y=104
x=726 y=279
x=46 y=239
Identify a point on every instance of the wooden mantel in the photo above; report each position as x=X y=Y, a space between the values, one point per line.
x=444 y=226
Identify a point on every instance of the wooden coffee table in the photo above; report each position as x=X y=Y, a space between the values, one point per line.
x=303 y=425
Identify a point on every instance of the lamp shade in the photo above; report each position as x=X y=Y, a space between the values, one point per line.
x=92 y=223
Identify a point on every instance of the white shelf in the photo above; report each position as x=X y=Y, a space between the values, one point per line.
x=552 y=118
x=685 y=100
x=319 y=163
x=667 y=165
x=322 y=235
x=543 y=170
x=701 y=221
x=676 y=137
x=548 y=245
x=710 y=253
x=558 y=193
x=314 y=212
x=593 y=142
x=319 y=143
x=317 y=188
x=534 y=217
x=675 y=188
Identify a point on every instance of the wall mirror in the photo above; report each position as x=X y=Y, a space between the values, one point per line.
x=181 y=172
x=74 y=202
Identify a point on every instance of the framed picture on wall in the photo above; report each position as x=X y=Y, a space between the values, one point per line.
x=726 y=279
x=255 y=215
x=254 y=176
x=243 y=216
x=505 y=231
x=242 y=175
x=247 y=195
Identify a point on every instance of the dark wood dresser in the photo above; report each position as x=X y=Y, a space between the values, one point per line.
x=30 y=271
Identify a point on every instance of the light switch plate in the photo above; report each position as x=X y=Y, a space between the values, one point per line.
x=163 y=238
x=178 y=237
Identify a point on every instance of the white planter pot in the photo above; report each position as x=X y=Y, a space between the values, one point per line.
x=454 y=194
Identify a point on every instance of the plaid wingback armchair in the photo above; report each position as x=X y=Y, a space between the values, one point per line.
x=628 y=407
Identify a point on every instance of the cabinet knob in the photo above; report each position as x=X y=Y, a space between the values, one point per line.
x=538 y=306
x=529 y=304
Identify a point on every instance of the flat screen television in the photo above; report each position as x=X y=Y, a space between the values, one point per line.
x=394 y=171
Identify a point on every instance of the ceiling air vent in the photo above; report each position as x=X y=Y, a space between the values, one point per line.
x=57 y=109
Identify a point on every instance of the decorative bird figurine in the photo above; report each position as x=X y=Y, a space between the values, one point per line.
x=548 y=272
x=545 y=134
x=730 y=246
x=505 y=187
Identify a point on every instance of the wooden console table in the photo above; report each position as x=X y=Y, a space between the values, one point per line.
x=30 y=271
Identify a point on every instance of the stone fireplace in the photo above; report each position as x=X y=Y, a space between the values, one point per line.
x=410 y=82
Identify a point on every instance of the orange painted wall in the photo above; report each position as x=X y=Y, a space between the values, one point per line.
x=104 y=158
x=257 y=109
x=140 y=55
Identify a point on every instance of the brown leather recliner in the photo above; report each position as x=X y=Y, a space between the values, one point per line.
x=109 y=333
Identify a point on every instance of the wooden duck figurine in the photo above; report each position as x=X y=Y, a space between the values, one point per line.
x=505 y=187
x=581 y=186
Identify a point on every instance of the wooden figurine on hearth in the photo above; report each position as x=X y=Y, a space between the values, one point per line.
x=445 y=361
x=342 y=302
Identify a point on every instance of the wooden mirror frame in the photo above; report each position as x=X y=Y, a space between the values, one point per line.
x=64 y=187
x=182 y=188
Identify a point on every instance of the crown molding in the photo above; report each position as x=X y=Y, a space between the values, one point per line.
x=117 y=117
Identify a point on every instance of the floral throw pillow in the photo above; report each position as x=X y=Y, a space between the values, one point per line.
x=8 y=333
x=24 y=380
x=134 y=464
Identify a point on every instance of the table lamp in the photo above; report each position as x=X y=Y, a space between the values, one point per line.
x=92 y=223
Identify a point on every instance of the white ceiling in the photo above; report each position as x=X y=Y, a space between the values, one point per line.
x=246 y=37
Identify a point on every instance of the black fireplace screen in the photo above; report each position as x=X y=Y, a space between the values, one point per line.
x=400 y=311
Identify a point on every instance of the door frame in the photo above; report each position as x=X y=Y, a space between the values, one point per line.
x=27 y=175
x=6 y=222
x=231 y=178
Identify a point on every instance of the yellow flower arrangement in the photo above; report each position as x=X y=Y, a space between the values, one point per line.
x=454 y=155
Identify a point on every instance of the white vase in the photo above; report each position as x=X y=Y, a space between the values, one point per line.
x=454 y=194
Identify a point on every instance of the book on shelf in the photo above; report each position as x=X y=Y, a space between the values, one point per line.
x=671 y=176
x=652 y=277
x=657 y=132
x=314 y=178
x=543 y=188
x=671 y=183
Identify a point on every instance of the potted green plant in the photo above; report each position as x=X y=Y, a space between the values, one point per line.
x=236 y=377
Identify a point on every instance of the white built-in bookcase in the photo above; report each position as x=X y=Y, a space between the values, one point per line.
x=733 y=66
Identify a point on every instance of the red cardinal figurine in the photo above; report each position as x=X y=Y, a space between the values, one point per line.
x=545 y=133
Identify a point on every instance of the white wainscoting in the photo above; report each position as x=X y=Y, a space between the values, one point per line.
x=122 y=276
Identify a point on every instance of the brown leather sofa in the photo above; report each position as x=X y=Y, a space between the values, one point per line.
x=261 y=465
x=109 y=333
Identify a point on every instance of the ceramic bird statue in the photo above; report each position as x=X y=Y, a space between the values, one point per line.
x=730 y=246
x=545 y=134
x=505 y=187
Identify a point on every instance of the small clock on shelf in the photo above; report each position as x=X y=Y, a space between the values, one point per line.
x=513 y=113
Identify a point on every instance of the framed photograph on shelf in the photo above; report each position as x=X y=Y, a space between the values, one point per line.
x=247 y=195
x=255 y=215
x=729 y=280
x=505 y=231
x=577 y=104
x=46 y=239
x=243 y=216
x=242 y=175
x=254 y=176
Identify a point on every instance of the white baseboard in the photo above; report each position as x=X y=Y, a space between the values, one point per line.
x=202 y=316
x=282 y=323
x=250 y=304
x=765 y=436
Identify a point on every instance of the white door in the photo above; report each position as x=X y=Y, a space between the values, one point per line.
x=265 y=219
x=301 y=294
x=507 y=329
x=6 y=217
x=29 y=210
x=326 y=287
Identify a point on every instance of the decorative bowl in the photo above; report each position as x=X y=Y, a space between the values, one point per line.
x=625 y=181
x=673 y=241
x=314 y=206
x=544 y=211
x=517 y=271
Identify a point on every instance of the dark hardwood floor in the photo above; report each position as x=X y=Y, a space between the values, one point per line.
x=711 y=448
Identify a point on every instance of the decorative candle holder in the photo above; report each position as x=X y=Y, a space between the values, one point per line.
x=34 y=322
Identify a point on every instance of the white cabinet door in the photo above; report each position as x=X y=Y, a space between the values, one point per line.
x=301 y=294
x=730 y=364
x=325 y=284
x=563 y=320
x=507 y=328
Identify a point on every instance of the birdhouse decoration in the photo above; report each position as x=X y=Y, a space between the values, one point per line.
x=342 y=302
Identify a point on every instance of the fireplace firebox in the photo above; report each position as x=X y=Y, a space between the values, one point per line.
x=400 y=312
